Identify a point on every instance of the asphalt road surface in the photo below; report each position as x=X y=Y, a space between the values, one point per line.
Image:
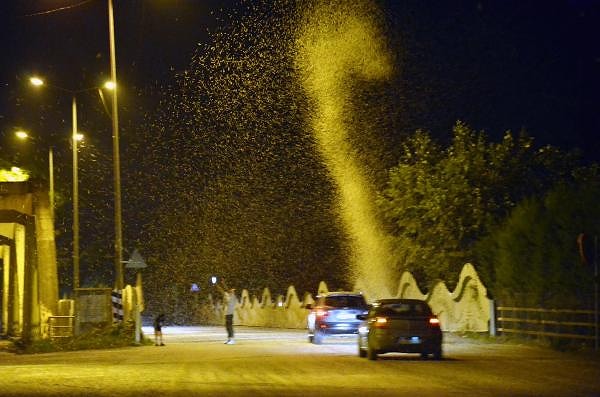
x=268 y=362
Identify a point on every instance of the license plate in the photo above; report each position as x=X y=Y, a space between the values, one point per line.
x=409 y=341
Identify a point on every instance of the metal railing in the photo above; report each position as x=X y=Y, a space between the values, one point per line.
x=61 y=326
x=556 y=323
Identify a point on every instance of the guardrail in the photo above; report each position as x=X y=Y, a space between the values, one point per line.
x=61 y=326
x=556 y=323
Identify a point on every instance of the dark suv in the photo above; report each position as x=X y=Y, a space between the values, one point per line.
x=334 y=313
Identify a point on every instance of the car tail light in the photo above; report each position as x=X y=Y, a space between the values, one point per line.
x=321 y=313
x=380 y=322
x=434 y=322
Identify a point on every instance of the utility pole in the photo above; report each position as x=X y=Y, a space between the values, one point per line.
x=75 y=198
x=119 y=282
x=596 y=281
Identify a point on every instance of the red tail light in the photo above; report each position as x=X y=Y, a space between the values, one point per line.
x=380 y=322
x=434 y=321
x=321 y=313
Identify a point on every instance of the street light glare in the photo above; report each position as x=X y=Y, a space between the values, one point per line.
x=36 y=81
x=78 y=137
x=110 y=85
x=22 y=134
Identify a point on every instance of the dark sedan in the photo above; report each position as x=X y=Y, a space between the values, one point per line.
x=399 y=325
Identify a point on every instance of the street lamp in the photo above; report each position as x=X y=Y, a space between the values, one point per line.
x=36 y=81
x=21 y=134
x=116 y=157
x=75 y=137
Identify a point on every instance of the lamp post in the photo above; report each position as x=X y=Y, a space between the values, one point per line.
x=75 y=137
x=75 y=195
x=51 y=182
x=21 y=134
x=116 y=160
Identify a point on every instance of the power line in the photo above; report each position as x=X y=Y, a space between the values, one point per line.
x=57 y=9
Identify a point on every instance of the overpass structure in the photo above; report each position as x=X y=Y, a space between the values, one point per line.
x=28 y=272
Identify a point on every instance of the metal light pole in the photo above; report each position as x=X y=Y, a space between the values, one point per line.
x=596 y=282
x=116 y=160
x=51 y=182
x=75 y=197
x=74 y=139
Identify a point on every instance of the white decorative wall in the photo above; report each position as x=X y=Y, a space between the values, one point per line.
x=467 y=308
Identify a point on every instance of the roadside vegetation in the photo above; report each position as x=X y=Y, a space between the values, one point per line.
x=558 y=344
x=114 y=335
x=512 y=209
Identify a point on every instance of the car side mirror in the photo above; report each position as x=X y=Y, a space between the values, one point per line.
x=361 y=316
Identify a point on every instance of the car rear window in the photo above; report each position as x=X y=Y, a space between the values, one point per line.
x=406 y=308
x=345 y=301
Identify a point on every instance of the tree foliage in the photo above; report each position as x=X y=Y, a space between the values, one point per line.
x=439 y=202
x=534 y=252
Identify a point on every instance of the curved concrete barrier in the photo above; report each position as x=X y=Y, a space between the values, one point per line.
x=467 y=308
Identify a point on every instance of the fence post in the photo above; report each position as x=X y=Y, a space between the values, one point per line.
x=117 y=305
x=492 y=317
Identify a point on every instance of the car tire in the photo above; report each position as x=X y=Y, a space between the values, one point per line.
x=361 y=352
x=437 y=355
x=424 y=355
x=311 y=338
x=371 y=353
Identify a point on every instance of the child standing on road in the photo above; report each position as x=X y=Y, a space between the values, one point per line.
x=158 y=323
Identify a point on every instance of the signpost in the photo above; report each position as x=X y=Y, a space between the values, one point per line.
x=137 y=262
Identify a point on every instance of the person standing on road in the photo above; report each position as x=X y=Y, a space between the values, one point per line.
x=158 y=323
x=230 y=302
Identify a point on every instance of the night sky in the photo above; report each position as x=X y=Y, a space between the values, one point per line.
x=68 y=40
x=496 y=65
x=67 y=43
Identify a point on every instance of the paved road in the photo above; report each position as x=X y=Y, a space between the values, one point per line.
x=281 y=363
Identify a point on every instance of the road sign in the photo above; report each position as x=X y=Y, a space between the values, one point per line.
x=135 y=261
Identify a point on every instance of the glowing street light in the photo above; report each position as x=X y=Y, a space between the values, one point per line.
x=75 y=137
x=22 y=135
x=36 y=81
